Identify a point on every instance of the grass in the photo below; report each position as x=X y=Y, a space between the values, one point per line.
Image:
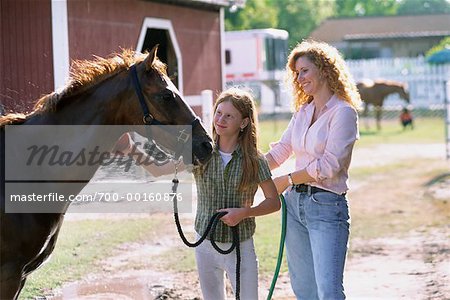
x=427 y=130
x=267 y=237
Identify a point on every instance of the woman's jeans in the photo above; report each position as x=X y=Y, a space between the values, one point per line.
x=316 y=243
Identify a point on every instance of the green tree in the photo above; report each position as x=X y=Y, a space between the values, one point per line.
x=298 y=17
x=301 y=17
x=414 y=7
x=256 y=14
x=354 y=8
x=444 y=43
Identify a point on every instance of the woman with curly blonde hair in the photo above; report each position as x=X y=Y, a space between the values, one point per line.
x=321 y=135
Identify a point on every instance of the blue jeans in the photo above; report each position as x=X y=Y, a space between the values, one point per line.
x=316 y=244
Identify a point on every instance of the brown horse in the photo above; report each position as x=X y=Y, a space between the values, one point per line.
x=374 y=93
x=122 y=90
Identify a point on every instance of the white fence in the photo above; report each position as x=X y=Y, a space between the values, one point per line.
x=205 y=101
x=426 y=83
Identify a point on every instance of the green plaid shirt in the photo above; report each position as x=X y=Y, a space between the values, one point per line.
x=218 y=188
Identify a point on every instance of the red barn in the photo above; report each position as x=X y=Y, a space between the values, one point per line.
x=40 y=38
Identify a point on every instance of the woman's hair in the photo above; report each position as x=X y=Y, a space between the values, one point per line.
x=248 y=137
x=331 y=66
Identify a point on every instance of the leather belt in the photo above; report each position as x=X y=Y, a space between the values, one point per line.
x=305 y=188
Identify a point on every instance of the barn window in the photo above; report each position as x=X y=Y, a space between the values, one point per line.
x=160 y=32
x=276 y=51
x=227 y=57
x=166 y=52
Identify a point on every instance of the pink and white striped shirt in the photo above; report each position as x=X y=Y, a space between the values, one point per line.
x=323 y=148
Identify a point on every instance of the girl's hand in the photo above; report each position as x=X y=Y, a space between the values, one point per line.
x=234 y=215
x=123 y=145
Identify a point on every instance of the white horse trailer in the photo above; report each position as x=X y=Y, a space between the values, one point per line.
x=256 y=59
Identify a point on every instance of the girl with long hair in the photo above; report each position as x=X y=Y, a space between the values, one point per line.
x=228 y=183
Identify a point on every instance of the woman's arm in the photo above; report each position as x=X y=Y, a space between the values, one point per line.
x=270 y=204
x=298 y=177
x=272 y=163
x=280 y=151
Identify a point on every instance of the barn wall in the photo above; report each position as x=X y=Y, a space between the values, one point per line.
x=98 y=27
x=102 y=27
x=26 y=65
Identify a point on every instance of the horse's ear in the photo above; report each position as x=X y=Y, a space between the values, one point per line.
x=151 y=57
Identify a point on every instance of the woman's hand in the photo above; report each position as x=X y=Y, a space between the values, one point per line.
x=234 y=215
x=282 y=183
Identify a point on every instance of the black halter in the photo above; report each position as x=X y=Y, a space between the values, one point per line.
x=148 y=119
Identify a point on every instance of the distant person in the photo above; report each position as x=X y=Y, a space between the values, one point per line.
x=321 y=135
x=406 y=118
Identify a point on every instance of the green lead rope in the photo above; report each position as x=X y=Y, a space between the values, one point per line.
x=281 y=247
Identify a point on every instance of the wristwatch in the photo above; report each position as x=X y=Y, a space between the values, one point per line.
x=291 y=182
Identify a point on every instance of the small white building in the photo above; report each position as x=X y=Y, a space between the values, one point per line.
x=256 y=59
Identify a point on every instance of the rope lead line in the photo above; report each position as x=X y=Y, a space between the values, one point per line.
x=211 y=227
x=281 y=247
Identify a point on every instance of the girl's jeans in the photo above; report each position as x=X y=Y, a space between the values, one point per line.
x=212 y=267
x=316 y=243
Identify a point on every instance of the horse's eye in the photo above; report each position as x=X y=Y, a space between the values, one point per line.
x=167 y=97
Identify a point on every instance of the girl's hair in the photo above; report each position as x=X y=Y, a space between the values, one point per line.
x=331 y=66
x=248 y=137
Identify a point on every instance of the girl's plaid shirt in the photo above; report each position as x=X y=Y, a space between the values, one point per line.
x=218 y=187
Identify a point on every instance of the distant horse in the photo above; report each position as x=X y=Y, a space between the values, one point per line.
x=126 y=89
x=374 y=93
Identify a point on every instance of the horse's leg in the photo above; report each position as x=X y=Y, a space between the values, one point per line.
x=10 y=288
x=378 y=111
x=365 y=114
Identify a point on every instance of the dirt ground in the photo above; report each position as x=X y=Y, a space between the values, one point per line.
x=413 y=265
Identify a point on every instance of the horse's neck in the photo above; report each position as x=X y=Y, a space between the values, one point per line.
x=388 y=90
x=58 y=160
x=94 y=105
x=82 y=117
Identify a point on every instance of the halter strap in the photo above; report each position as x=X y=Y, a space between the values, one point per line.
x=149 y=119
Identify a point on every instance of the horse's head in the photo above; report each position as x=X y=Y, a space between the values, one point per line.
x=158 y=102
x=403 y=92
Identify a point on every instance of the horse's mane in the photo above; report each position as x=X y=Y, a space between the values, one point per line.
x=12 y=119
x=369 y=82
x=390 y=82
x=84 y=74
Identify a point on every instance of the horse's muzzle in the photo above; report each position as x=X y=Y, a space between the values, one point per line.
x=202 y=152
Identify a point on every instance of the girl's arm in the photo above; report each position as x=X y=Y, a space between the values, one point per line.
x=267 y=206
x=127 y=146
